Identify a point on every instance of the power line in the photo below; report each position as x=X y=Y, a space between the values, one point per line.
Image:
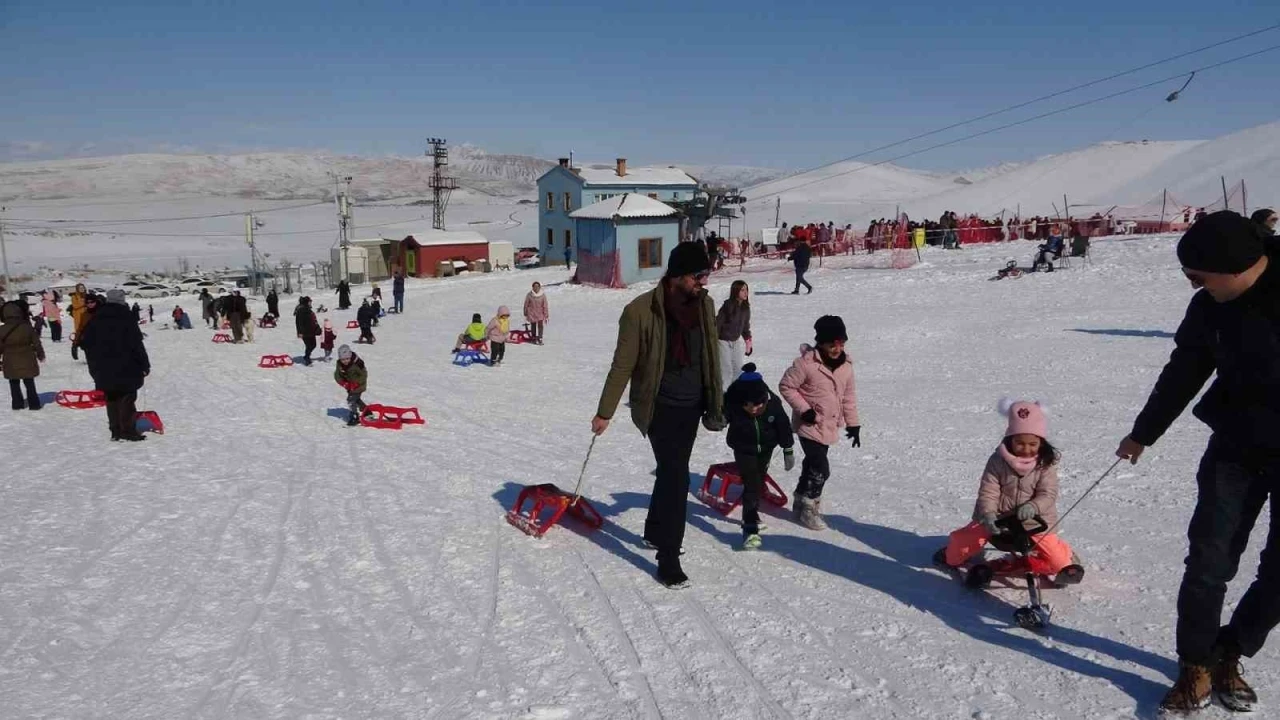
x=87 y=231
x=142 y=221
x=1042 y=98
x=1006 y=126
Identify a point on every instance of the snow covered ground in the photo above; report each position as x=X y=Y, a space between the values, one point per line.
x=261 y=560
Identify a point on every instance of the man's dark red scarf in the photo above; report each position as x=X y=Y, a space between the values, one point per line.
x=685 y=312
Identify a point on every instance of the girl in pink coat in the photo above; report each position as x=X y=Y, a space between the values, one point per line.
x=536 y=312
x=1021 y=479
x=819 y=388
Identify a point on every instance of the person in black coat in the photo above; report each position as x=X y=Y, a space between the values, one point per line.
x=273 y=303
x=365 y=317
x=118 y=363
x=344 y=295
x=757 y=424
x=800 y=256
x=1232 y=328
x=304 y=320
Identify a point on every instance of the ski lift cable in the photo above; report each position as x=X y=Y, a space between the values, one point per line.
x=141 y=221
x=1017 y=123
x=1033 y=101
x=91 y=231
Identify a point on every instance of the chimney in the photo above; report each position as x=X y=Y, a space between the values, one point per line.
x=564 y=163
x=622 y=167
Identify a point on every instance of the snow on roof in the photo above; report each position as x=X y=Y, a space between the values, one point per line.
x=627 y=205
x=636 y=176
x=432 y=236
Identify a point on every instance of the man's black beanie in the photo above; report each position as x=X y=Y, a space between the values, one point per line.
x=1224 y=242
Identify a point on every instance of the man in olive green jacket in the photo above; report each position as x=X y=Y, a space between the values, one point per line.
x=667 y=351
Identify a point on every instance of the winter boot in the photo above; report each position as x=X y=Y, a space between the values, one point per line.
x=1191 y=692
x=671 y=575
x=352 y=421
x=751 y=542
x=133 y=437
x=811 y=514
x=1229 y=685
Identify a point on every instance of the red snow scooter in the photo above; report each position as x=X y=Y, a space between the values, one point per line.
x=1018 y=541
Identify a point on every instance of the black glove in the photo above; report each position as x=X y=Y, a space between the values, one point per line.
x=809 y=417
x=854 y=433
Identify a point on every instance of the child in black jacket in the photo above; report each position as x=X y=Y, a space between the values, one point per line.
x=757 y=424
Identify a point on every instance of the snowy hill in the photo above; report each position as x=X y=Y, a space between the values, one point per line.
x=261 y=560
x=289 y=176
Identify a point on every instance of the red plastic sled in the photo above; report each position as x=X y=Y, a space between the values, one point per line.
x=275 y=361
x=352 y=325
x=221 y=338
x=728 y=475
x=265 y=323
x=389 y=417
x=80 y=399
x=152 y=418
x=549 y=498
x=519 y=337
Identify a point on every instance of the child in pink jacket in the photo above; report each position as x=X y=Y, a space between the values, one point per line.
x=1021 y=479
x=819 y=388
x=498 y=332
x=328 y=340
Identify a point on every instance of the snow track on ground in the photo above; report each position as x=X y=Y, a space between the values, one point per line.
x=262 y=560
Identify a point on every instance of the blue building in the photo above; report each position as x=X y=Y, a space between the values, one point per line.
x=564 y=189
x=624 y=239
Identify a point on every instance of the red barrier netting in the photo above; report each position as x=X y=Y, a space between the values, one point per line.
x=603 y=270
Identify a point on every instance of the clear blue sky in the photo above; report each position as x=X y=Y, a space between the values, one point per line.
x=784 y=84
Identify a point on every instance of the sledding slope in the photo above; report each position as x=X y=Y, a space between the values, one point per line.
x=262 y=560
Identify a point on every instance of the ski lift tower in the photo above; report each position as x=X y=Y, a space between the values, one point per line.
x=442 y=185
x=710 y=202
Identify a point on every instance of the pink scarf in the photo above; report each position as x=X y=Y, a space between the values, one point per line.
x=1021 y=466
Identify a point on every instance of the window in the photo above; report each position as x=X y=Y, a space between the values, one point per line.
x=650 y=253
x=551 y=238
x=568 y=202
x=653 y=196
x=601 y=197
x=568 y=238
x=551 y=201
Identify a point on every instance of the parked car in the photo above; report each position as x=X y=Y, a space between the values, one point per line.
x=213 y=286
x=528 y=258
x=151 y=291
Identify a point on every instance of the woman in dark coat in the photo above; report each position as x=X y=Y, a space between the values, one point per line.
x=118 y=363
x=21 y=354
x=304 y=320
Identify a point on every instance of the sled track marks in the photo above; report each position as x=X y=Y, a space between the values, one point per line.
x=486 y=633
x=624 y=638
x=726 y=650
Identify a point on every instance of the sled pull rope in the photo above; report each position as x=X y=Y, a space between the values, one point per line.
x=577 y=489
x=1092 y=487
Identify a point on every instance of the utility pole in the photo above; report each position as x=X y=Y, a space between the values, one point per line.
x=342 y=201
x=442 y=186
x=251 y=223
x=4 y=253
x=777 y=212
x=1226 y=204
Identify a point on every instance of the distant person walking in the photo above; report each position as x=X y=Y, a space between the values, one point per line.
x=118 y=363
x=568 y=257
x=733 y=329
x=273 y=304
x=237 y=312
x=344 y=295
x=208 y=310
x=536 y=312
x=304 y=320
x=79 y=317
x=20 y=353
x=800 y=256
x=397 y=291
x=667 y=352
x=52 y=314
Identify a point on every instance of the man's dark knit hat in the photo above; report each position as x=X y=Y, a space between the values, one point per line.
x=829 y=328
x=1224 y=242
x=687 y=258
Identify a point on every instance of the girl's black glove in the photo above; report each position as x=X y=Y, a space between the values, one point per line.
x=854 y=433
x=809 y=417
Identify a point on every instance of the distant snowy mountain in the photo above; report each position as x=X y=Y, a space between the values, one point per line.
x=288 y=176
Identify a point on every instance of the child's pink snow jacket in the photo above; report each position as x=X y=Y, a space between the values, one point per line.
x=52 y=313
x=809 y=384
x=535 y=308
x=1002 y=490
x=499 y=328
